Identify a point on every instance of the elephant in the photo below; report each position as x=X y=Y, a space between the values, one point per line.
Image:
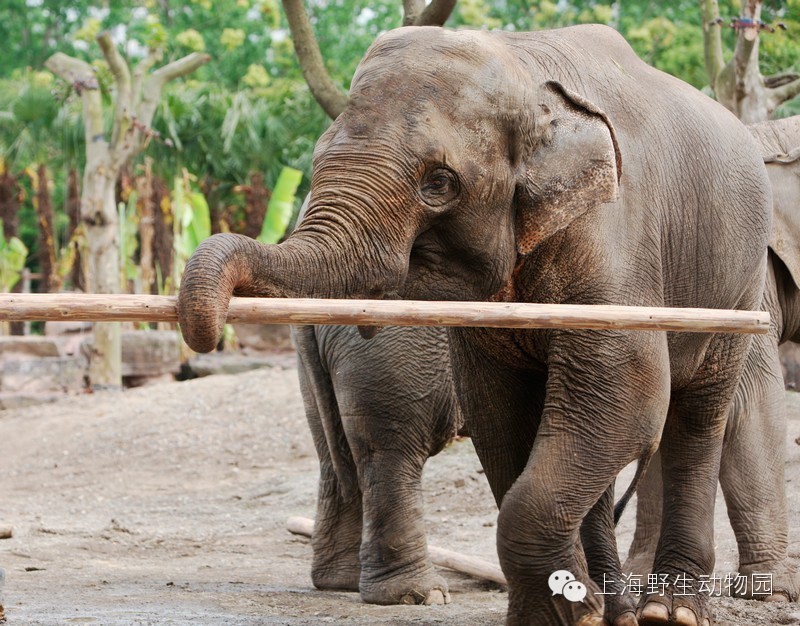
x=551 y=167
x=377 y=410
x=751 y=473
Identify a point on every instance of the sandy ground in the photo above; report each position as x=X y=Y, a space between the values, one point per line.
x=168 y=505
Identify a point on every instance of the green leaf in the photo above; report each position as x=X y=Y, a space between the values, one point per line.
x=198 y=225
x=281 y=205
x=12 y=261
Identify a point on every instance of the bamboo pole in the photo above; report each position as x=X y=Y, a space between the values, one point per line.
x=147 y=308
x=470 y=565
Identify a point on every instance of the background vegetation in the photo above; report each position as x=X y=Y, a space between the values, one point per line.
x=234 y=134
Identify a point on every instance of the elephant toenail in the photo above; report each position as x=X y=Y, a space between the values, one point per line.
x=436 y=596
x=654 y=613
x=778 y=596
x=684 y=616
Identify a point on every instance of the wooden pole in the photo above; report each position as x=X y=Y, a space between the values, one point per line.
x=470 y=565
x=147 y=308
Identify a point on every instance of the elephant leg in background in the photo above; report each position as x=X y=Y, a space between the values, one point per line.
x=337 y=529
x=642 y=552
x=691 y=447
x=751 y=476
x=602 y=557
x=752 y=472
x=384 y=406
x=541 y=512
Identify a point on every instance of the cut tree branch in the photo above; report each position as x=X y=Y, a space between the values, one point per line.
x=182 y=67
x=329 y=96
x=153 y=56
x=151 y=95
x=781 y=94
x=712 y=39
x=81 y=76
x=780 y=79
x=436 y=13
x=122 y=78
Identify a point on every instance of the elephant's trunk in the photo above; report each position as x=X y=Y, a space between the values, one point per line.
x=329 y=257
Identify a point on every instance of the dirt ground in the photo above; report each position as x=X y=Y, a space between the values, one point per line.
x=168 y=504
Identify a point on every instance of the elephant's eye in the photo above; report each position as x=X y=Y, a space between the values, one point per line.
x=439 y=186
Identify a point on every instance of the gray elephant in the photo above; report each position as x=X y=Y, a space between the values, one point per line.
x=751 y=473
x=377 y=410
x=556 y=167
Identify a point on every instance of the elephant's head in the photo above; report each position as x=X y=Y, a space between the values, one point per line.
x=451 y=162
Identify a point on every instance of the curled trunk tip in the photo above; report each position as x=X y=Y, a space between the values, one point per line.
x=208 y=282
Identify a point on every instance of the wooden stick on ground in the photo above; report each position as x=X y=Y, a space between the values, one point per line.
x=470 y=565
x=6 y=532
x=145 y=308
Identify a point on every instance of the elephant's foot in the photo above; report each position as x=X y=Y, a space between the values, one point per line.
x=425 y=588
x=666 y=608
x=530 y=607
x=336 y=573
x=620 y=610
x=779 y=582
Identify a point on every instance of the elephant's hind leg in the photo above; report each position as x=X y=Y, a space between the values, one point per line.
x=337 y=530
x=691 y=447
x=391 y=442
x=752 y=476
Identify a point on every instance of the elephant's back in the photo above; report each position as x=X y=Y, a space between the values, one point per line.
x=693 y=181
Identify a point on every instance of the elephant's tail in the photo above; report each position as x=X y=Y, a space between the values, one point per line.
x=641 y=468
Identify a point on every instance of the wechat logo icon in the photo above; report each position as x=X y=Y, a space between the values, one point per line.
x=563 y=583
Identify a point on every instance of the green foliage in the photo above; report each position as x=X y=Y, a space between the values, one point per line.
x=281 y=205
x=12 y=261
x=191 y=40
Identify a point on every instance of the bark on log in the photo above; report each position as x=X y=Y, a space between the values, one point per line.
x=147 y=308
x=470 y=565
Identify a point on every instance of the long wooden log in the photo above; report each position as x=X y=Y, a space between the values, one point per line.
x=470 y=565
x=145 y=308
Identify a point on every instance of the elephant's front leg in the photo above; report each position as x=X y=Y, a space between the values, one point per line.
x=605 y=393
x=752 y=476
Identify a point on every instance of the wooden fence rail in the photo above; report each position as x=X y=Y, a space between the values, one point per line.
x=143 y=308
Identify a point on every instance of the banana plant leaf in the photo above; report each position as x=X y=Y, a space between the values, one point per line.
x=281 y=205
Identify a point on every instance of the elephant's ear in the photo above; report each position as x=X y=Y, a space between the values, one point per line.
x=572 y=164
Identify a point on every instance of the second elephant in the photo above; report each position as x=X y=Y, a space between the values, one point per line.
x=377 y=410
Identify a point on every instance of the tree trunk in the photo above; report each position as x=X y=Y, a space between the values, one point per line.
x=146 y=227
x=47 y=240
x=256 y=198
x=10 y=199
x=739 y=84
x=163 y=233
x=215 y=211
x=99 y=215
x=77 y=273
x=10 y=196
